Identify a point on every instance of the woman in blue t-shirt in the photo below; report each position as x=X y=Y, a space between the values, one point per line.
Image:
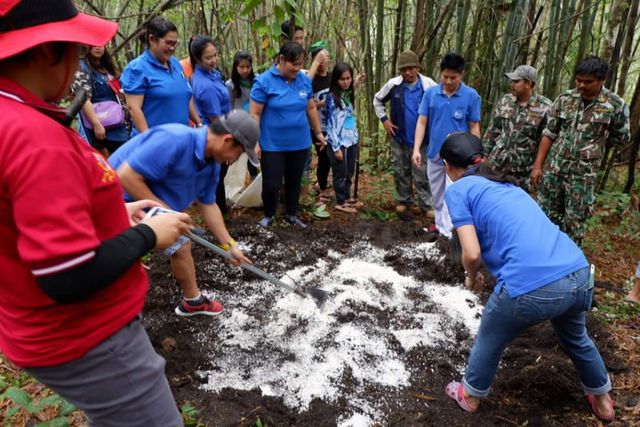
x=105 y=86
x=541 y=274
x=156 y=89
x=210 y=95
x=282 y=101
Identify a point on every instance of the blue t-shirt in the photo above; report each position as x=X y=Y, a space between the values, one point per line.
x=166 y=90
x=210 y=94
x=171 y=160
x=412 y=98
x=520 y=246
x=448 y=114
x=284 y=125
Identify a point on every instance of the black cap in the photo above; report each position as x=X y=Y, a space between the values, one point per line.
x=461 y=149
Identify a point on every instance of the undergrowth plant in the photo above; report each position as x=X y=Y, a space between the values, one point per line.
x=616 y=211
x=20 y=399
x=619 y=310
x=190 y=416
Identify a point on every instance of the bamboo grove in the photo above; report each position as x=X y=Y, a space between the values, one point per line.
x=493 y=35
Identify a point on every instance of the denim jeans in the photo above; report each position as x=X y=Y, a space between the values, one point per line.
x=564 y=303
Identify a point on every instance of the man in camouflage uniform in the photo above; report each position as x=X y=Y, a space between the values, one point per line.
x=511 y=141
x=581 y=122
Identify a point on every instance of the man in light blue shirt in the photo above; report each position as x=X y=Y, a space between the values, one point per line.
x=449 y=107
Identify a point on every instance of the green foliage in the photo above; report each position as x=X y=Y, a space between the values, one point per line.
x=379 y=214
x=22 y=400
x=614 y=215
x=618 y=311
x=269 y=30
x=259 y=423
x=190 y=416
x=615 y=207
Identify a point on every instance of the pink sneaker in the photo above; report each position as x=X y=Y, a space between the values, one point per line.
x=206 y=307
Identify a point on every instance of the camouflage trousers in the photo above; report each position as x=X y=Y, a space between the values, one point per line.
x=567 y=197
x=405 y=173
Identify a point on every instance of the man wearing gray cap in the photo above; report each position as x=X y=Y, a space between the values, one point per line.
x=176 y=165
x=511 y=141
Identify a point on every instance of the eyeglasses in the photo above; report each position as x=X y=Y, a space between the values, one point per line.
x=170 y=43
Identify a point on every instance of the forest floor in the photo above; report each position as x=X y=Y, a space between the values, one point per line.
x=397 y=327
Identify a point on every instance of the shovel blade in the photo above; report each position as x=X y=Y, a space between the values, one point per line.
x=319 y=296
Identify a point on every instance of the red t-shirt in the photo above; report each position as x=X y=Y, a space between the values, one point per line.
x=59 y=199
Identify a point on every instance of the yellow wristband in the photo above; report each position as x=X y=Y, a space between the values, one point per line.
x=226 y=246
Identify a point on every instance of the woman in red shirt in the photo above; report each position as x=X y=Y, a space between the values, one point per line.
x=73 y=287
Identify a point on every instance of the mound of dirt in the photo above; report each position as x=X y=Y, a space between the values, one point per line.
x=396 y=329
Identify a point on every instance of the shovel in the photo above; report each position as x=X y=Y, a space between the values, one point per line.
x=318 y=295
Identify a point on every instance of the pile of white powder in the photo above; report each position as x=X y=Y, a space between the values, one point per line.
x=286 y=347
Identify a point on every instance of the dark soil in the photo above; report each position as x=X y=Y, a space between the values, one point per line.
x=536 y=382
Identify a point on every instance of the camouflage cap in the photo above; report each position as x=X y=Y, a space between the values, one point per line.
x=524 y=72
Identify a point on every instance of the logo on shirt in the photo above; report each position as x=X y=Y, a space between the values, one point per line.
x=302 y=94
x=108 y=174
x=458 y=115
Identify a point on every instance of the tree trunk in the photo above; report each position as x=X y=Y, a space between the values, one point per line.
x=615 y=22
x=363 y=18
x=634 y=118
x=462 y=13
x=379 y=42
x=507 y=55
x=628 y=45
x=614 y=59
x=397 y=34
x=473 y=45
x=631 y=167
x=532 y=21
x=552 y=49
x=588 y=18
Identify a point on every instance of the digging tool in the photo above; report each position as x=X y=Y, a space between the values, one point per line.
x=318 y=295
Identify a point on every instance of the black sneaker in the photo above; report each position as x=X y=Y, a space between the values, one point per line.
x=294 y=220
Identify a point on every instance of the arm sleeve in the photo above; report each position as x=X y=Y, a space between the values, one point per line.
x=553 y=123
x=232 y=97
x=207 y=100
x=259 y=92
x=207 y=194
x=423 y=110
x=379 y=99
x=133 y=80
x=332 y=123
x=494 y=129
x=112 y=259
x=51 y=200
x=475 y=108
x=620 y=133
x=543 y=123
x=458 y=206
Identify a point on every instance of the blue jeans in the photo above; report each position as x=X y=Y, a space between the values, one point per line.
x=564 y=303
